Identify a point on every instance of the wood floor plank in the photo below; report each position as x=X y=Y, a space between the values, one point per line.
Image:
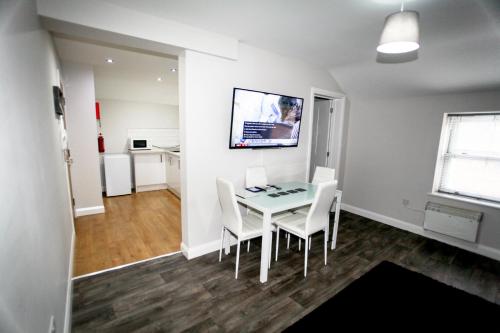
x=201 y=295
x=134 y=227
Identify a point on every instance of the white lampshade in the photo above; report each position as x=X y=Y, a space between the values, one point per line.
x=401 y=33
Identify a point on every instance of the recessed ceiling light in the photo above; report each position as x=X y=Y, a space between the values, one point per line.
x=173 y=70
x=159 y=79
x=109 y=60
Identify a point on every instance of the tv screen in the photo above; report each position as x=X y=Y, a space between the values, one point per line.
x=264 y=120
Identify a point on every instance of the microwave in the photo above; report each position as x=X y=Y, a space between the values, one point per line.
x=139 y=143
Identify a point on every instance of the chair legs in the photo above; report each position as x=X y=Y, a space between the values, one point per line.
x=221 y=243
x=338 y=195
x=326 y=241
x=270 y=250
x=277 y=243
x=223 y=232
x=306 y=249
x=237 y=259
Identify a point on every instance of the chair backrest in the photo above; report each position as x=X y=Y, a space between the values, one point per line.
x=231 y=216
x=256 y=176
x=322 y=174
x=319 y=213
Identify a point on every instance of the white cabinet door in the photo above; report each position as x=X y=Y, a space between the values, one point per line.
x=150 y=169
x=177 y=178
x=170 y=171
x=173 y=174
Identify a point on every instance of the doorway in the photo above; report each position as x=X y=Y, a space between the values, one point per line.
x=326 y=128
x=135 y=94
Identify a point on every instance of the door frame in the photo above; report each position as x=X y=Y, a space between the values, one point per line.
x=339 y=99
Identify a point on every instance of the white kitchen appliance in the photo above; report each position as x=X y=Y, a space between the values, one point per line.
x=139 y=143
x=117 y=173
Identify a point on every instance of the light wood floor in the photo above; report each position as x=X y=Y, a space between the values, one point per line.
x=135 y=227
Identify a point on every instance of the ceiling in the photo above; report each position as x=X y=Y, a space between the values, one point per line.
x=133 y=76
x=460 y=39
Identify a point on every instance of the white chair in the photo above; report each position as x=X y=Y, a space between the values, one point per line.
x=321 y=175
x=338 y=200
x=242 y=227
x=317 y=219
x=257 y=177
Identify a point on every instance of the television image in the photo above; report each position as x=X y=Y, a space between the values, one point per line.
x=264 y=120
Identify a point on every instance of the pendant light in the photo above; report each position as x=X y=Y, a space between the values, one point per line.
x=401 y=32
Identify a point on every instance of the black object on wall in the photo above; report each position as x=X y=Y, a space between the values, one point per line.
x=58 y=100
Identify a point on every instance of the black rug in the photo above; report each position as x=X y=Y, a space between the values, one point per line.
x=390 y=297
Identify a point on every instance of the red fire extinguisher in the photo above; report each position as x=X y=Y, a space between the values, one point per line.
x=100 y=143
x=100 y=138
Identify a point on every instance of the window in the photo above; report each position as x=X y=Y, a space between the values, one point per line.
x=469 y=156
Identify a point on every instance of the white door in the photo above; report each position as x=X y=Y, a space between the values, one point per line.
x=322 y=133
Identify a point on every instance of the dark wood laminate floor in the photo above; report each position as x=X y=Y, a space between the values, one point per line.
x=172 y=294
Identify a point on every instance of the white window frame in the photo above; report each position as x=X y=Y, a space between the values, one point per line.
x=443 y=145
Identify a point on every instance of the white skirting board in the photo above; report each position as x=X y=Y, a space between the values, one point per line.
x=486 y=251
x=89 y=211
x=69 y=290
x=200 y=250
x=146 y=188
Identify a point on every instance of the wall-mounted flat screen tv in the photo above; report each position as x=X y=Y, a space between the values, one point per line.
x=264 y=120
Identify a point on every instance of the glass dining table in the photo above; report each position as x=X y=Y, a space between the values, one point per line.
x=291 y=195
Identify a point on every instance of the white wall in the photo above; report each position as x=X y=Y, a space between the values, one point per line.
x=35 y=216
x=82 y=136
x=205 y=91
x=119 y=116
x=391 y=155
x=206 y=85
x=74 y=16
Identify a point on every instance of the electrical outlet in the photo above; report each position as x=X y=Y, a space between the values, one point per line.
x=52 y=325
x=406 y=202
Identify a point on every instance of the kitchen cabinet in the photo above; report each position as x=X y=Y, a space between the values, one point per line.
x=150 y=170
x=174 y=173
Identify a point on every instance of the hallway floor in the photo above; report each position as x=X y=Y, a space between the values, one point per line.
x=134 y=227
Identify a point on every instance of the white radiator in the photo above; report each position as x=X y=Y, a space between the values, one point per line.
x=452 y=221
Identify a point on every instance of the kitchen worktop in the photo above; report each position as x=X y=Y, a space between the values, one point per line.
x=147 y=151
x=173 y=153
x=155 y=150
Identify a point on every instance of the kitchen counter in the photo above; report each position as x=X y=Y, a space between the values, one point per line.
x=148 y=151
x=173 y=153
x=156 y=169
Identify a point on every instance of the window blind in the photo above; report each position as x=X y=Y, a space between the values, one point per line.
x=471 y=160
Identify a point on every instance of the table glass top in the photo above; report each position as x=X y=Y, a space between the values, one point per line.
x=285 y=197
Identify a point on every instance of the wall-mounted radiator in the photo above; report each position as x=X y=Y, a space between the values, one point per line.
x=456 y=222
